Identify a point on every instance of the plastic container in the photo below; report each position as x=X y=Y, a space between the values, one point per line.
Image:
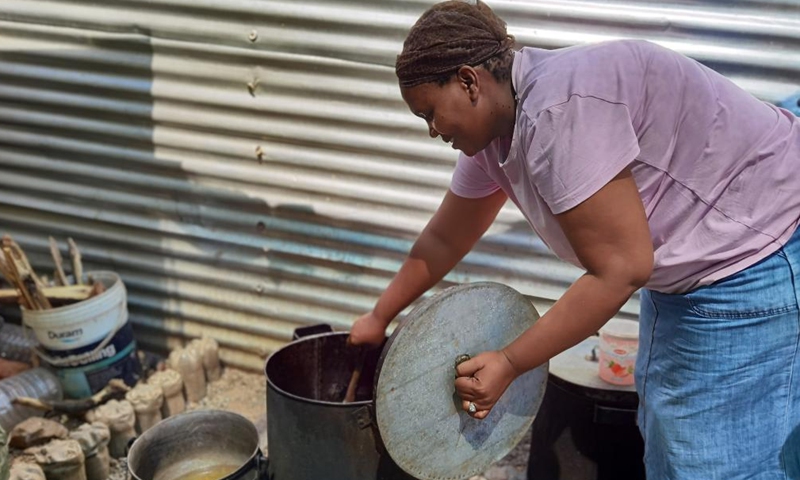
x=619 y=344
x=14 y=344
x=90 y=342
x=36 y=383
x=208 y=349
x=189 y=363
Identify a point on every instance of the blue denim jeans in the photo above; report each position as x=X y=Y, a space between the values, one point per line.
x=718 y=376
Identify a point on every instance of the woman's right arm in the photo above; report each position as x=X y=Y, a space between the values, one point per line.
x=450 y=234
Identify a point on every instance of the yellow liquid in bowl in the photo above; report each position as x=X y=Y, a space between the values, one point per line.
x=215 y=472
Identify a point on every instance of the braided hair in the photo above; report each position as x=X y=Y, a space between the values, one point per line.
x=450 y=35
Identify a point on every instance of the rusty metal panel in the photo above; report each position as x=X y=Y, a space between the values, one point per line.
x=249 y=166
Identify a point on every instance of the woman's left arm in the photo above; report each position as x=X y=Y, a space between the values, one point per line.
x=611 y=238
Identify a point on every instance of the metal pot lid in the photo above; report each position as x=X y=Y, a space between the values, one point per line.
x=418 y=413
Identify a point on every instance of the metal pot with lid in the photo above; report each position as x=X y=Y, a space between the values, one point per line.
x=407 y=421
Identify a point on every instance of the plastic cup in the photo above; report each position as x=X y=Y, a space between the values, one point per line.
x=619 y=344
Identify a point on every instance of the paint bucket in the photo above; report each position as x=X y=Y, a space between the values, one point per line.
x=619 y=344
x=90 y=342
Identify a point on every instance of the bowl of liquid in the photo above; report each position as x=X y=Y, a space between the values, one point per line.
x=198 y=445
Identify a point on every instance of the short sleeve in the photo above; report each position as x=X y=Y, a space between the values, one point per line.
x=577 y=147
x=470 y=180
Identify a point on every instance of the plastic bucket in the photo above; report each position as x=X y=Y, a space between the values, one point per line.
x=619 y=344
x=90 y=342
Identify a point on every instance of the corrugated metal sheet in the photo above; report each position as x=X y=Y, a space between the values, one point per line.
x=249 y=166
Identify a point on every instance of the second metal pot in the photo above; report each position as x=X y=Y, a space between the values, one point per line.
x=203 y=444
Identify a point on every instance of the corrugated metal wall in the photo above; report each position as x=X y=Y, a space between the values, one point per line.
x=248 y=166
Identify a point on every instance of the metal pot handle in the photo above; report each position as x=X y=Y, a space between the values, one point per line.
x=262 y=466
x=128 y=445
x=614 y=416
x=301 y=332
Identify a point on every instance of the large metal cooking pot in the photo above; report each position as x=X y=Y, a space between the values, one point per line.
x=312 y=435
x=407 y=421
x=198 y=445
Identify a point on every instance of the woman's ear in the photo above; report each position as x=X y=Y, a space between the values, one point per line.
x=469 y=81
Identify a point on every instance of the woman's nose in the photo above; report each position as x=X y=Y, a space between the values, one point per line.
x=432 y=132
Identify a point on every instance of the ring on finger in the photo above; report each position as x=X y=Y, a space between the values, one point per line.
x=472 y=408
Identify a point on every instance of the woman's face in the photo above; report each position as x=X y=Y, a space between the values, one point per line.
x=458 y=111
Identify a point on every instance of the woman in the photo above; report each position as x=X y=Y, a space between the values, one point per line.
x=647 y=170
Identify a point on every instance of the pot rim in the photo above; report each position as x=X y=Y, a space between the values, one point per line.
x=283 y=392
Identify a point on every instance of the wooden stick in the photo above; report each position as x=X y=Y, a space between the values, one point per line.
x=23 y=276
x=67 y=293
x=36 y=294
x=77 y=265
x=5 y=270
x=361 y=357
x=23 y=265
x=76 y=407
x=350 y=396
x=14 y=278
x=61 y=277
x=97 y=288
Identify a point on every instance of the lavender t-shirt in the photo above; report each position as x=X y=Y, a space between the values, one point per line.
x=718 y=171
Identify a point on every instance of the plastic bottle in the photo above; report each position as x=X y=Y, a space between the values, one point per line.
x=14 y=345
x=36 y=383
x=189 y=363
x=208 y=349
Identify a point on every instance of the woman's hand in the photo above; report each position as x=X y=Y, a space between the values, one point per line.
x=368 y=330
x=483 y=380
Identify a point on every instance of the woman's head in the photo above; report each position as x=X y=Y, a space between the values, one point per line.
x=455 y=72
